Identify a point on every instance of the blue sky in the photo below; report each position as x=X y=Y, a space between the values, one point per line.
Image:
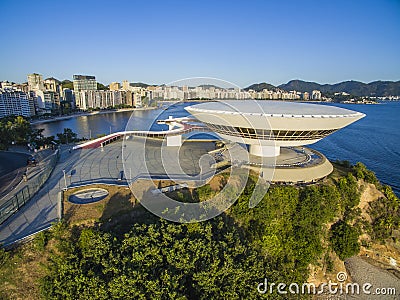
x=240 y=41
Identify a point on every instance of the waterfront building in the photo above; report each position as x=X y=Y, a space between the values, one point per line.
x=35 y=82
x=16 y=103
x=137 y=100
x=46 y=101
x=68 y=98
x=102 y=99
x=52 y=85
x=83 y=83
x=266 y=94
x=114 y=86
x=316 y=95
x=133 y=99
x=22 y=87
x=51 y=100
x=126 y=86
x=6 y=85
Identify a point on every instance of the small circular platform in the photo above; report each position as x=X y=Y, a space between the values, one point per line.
x=88 y=196
x=295 y=165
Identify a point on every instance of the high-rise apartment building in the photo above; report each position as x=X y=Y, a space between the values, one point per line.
x=47 y=101
x=134 y=99
x=126 y=86
x=52 y=85
x=316 y=95
x=83 y=83
x=22 y=87
x=5 y=85
x=16 y=103
x=68 y=100
x=114 y=86
x=35 y=82
x=68 y=96
x=102 y=99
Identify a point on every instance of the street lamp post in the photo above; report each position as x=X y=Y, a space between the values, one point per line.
x=65 y=180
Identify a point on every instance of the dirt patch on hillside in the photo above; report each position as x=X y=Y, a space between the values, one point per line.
x=369 y=194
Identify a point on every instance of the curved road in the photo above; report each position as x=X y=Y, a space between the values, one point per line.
x=12 y=166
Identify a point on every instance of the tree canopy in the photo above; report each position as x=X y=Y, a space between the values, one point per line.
x=145 y=257
x=344 y=239
x=163 y=260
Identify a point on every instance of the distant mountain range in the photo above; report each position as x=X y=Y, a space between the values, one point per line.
x=139 y=84
x=356 y=88
x=261 y=86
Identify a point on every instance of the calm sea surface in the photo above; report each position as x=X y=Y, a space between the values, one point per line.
x=374 y=140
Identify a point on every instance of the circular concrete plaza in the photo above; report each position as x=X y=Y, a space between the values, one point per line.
x=87 y=196
x=151 y=157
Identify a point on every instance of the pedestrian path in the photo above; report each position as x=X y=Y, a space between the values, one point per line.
x=104 y=166
x=41 y=211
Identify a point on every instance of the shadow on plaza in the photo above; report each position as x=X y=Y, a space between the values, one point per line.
x=41 y=210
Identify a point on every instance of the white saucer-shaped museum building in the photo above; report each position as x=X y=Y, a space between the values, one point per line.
x=267 y=126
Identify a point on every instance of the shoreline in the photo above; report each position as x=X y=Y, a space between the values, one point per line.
x=101 y=112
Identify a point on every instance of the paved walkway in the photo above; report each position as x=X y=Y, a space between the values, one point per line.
x=12 y=182
x=103 y=166
x=363 y=272
x=41 y=211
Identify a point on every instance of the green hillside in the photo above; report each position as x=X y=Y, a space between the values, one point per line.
x=116 y=249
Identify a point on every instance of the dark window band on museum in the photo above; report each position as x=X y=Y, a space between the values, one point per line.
x=265 y=134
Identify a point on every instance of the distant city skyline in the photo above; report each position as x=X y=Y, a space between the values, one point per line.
x=160 y=42
x=219 y=82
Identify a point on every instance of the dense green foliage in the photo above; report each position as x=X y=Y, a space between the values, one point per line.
x=68 y=136
x=18 y=130
x=101 y=86
x=349 y=191
x=4 y=255
x=14 y=129
x=208 y=260
x=139 y=84
x=361 y=172
x=385 y=215
x=67 y=84
x=259 y=87
x=344 y=239
x=223 y=258
x=287 y=224
x=385 y=212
